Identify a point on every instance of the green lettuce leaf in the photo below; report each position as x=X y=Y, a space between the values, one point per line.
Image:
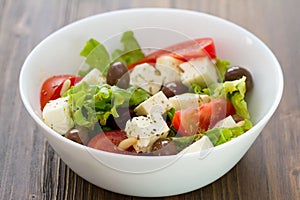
x=138 y=95
x=131 y=51
x=96 y=57
x=95 y=103
x=183 y=142
x=217 y=135
x=197 y=89
x=235 y=91
x=83 y=105
x=222 y=66
x=222 y=135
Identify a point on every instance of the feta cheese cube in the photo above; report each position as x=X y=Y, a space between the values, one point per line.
x=159 y=99
x=146 y=77
x=202 y=146
x=94 y=77
x=169 y=68
x=146 y=130
x=170 y=62
x=188 y=100
x=227 y=122
x=57 y=115
x=201 y=71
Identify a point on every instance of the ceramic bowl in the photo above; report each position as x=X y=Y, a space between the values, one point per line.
x=157 y=28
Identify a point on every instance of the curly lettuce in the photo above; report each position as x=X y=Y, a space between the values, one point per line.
x=222 y=66
x=222 y=135
x=217 y=136
x=235 y=92
x=98 y=57
x=95 y=103
x=131 y=51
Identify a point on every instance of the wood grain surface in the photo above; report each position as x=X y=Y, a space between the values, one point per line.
x=30 y=169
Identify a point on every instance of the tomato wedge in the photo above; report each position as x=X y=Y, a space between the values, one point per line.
x=194 y=120
x=183 y=51
x=108 y=141
x=52 y=86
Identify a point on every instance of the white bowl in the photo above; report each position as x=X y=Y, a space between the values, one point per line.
x=153 y=176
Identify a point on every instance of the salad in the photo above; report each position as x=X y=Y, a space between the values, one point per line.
x=182 y=97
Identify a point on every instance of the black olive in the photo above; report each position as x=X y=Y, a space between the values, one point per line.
x=124 y=115
x=78 y=134
x=163 y=147
x=174 y=88
x=237 y=118
x=237 y=72
x=118 y=75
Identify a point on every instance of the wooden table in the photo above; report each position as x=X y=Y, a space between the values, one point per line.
x=30 y=169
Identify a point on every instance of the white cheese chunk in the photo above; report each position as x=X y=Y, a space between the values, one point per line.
x=94 y=77
x=201 y=71
x=169 y=68
x=57 y=115
x=202 y=146
x=146 y=77
x=188 y=100
x=146 y=130
x=158 y=99
x=227 y=122
x=169 y=61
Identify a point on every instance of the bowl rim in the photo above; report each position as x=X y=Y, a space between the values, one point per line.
x=255 y=127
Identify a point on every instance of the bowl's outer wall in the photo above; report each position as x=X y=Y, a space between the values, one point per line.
x=59 y=54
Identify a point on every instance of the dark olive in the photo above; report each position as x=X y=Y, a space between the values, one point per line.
x=237 y=118
x=237 y=72
x=174 y=88
x=163 y=147
x=78 y=134
x=124 y=115
x=118 y=75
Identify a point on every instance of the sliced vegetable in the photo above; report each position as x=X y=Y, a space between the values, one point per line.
x=197 y=120
x=182 y=51
x=51 y=88
x=108 y=141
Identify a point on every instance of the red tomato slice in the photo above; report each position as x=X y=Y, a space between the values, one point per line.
x=214 y=111
x=186 y=122
x=191 y=121
x=183 y=51
x=52 y=86
x=108 y=141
